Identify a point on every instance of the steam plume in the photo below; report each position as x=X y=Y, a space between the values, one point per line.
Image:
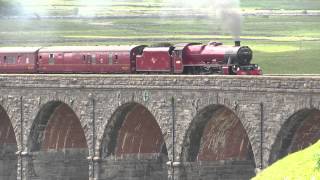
x=92 y=7
x=32 y=7
x=45 y=8
x=227 y=11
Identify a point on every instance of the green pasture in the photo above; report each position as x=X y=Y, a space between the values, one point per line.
x=136 y=7
x=281 y=44
x=281 y=4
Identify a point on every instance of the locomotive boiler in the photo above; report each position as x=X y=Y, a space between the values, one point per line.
x=215 y=57
x=186 y=58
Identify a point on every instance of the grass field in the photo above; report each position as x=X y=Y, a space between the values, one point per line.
x=108 y=7
x=282 y=4
x=281 y=44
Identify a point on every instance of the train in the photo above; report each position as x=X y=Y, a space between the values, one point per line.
x=184 y=58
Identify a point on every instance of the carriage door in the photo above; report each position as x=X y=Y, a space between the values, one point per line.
x=177 y=62
x=70 y=62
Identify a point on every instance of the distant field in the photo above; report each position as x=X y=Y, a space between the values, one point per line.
x=281 y=4
x=281 y=44
x=141 y=7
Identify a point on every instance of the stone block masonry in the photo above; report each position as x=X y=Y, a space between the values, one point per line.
x=101 y=127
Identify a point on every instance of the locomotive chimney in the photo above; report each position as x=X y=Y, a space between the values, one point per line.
x=237 y=43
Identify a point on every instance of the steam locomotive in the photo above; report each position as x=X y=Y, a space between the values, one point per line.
x=188 y=58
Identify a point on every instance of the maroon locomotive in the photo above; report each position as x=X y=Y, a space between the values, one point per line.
x=191 y=58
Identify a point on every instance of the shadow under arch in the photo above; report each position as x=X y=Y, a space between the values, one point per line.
x=133 y=136
x=217 y=144
x=57 y=143
x=299 y=131
x=8 y=148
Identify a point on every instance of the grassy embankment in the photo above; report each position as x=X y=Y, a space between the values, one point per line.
x=281 y=44
x=301 y=165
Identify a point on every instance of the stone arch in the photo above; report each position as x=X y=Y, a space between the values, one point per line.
x=57 y=137
x=217 y=140
x=133 y=136
x=43 y=104
x=159 y=113
x=298 y=132
x=8 y=148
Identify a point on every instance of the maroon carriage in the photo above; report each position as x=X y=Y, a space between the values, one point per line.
x=18 y=59
x=88 y=59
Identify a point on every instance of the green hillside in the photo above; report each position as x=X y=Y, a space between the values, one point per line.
x=302 y=165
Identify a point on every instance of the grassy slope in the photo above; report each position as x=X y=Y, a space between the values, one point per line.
x=297 y=166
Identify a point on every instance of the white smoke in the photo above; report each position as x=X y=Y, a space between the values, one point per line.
x=33 y=7
x=191 y=3
x=48 y=7
x=227 y=11
x=92 y=7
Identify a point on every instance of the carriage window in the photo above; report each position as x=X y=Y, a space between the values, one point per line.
x=9 y=59
x=116 y=56
x=89 y=58
x=30 y=60
x=19 y=59
x=51 y=59
x=84 y=57
x=110 y=58
x=179 y=54
x=93 y=60
x=101 y=59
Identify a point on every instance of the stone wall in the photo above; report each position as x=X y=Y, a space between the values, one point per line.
x=135 y=167
x=70 y=164
x=8 y=161
x=262 y=105
x=219 y=170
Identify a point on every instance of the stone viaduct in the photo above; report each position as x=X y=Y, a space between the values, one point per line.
x=159 y=127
